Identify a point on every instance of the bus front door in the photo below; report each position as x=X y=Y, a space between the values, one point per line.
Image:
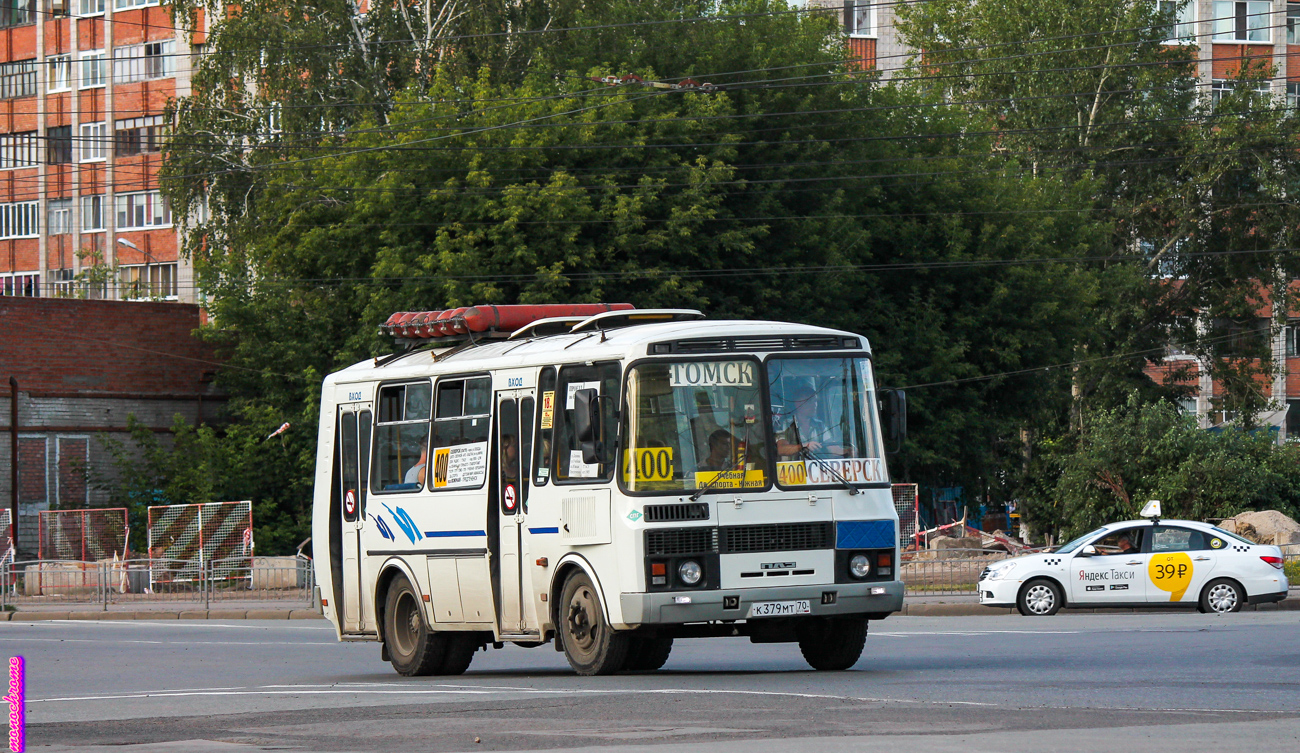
x=354 y=460
x=515 y=411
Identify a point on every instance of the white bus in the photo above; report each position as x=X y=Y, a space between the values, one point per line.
x=608 y=478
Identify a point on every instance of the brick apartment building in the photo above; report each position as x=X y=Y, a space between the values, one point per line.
x=83 y=89
x=82 y=368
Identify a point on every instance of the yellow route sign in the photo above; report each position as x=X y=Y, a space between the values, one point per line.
x=652 y=464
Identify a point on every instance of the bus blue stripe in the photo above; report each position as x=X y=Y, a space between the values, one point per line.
x=544 y=530
x=453 y=534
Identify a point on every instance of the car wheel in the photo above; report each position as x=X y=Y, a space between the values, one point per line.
x=1039 y=598
x=832 y=644
x=590 y=644
x=413 y=649
x=1221 y=597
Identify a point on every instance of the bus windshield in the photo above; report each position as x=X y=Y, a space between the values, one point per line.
x=694 y=424
x=824 y=427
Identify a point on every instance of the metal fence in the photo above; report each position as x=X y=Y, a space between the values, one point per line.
x=44 y=583
x=216 y=532
x=941 y=572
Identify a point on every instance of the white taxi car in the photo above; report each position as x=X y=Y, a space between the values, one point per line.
x=1140 y=563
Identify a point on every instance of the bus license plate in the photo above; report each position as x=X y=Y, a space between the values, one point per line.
x=779 y=608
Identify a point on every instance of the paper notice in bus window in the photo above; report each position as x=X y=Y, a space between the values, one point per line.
x=460 y=466
x=573 y=390
x=729 y=479
x=712 y=374
x=853 y=470
x=548 y=410
x=579 y=469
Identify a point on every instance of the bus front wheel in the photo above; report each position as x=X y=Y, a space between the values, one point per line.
x=832 y=643
x=590 y=645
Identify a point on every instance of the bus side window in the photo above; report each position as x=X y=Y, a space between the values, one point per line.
x=604 y=378
x=462 y=420
x=401 y=438
x=545 y=426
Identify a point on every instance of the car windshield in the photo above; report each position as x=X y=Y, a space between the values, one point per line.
x=1072 y=545
x=823 y=421
x=694 y=424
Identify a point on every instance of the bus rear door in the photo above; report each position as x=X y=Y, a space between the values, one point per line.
x=354 y=456
x=515 y=411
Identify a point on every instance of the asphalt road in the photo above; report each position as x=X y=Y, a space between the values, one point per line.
x=1148 y=682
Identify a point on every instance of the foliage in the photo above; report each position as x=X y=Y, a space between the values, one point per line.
x=204 y=464
x=1144 y=450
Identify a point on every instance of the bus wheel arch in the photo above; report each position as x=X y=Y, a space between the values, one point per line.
x=572 y=563
x=388 y=572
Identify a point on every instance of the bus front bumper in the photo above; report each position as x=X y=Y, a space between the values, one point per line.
x=678 y=607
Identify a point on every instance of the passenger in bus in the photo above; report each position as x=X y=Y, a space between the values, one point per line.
x=719 y=458
x=415 y=474
x=510 y=458
x=802 y=431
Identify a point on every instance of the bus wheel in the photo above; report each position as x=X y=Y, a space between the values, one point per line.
x=413 y=649
x=648 y=654
x=590 y=645
x=460 y=652
x=832 y=644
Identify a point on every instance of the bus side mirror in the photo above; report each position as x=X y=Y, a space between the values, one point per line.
x=587 y=426
x=894 y=408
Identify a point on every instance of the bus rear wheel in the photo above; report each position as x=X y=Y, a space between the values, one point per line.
x=832 y=644
x=413 y=649
x=590 y=644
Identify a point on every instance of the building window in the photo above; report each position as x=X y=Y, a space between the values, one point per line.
x=1181 y=15
x=94 y=138
x=92 y=213
x=92 y=69
x=1237 y=21
x=145 y=209
x=58 y=145
x=143 y=61
x=90 y=7
x=17 y=79
x=59 y=220
x=1220 y=87
x=124 y=4
x=1292 y=21
x=59 y=8
x=16 y=13
x=64 y=282
x=20 y=220
x=60 y=68
x=859 y=18
x=26 y=285
x=1293 y=94
x=18 y=150
x=148 y=281
x=138 y=136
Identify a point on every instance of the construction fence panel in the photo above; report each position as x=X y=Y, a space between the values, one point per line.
x=88 y=535
x=907 y=503
x=6 y=538
x=218 y=532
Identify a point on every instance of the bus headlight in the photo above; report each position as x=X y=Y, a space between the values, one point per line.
x=859 y=566
x=690 y=572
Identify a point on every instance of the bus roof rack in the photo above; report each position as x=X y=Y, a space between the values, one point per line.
x=617 y=319
x=482 y=322
x=555 y=325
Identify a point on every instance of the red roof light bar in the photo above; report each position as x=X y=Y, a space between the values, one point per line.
x=488 y=321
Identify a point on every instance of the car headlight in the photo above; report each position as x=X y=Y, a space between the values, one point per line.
x=859 y=566
x=998 y=572
x=690 y=572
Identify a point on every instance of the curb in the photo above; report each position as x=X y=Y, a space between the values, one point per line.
x=155 y=614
